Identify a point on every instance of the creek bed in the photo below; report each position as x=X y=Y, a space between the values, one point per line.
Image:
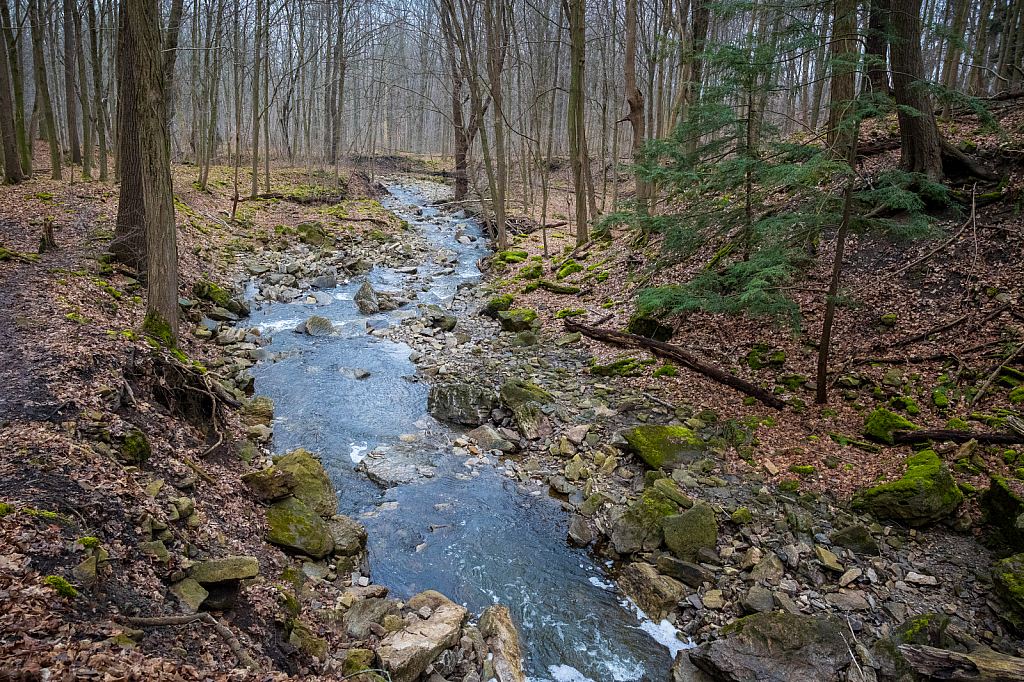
x=464 y=528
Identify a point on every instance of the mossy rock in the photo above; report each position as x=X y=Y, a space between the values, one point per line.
x=517 y=321
x=627 y=367
x=858 y=538
x=742 y=517
x=357 y=661
x=569 y=267
x=958 y=424
x=312 y=485
x=554 y=288
x=928 y=629
x=535 y=271
x=1010 y=377
x=888 y=320
x=926 y=493
x=880 y=424
x=313 y=233
x=136 y=449
x=1008 y=578
x=516 y=393
x=1002 y=508
x=906 y=404
x=569 y=312
x=644 y=325
x=687 y=533
x=940 y=399
x=640 y=527
x=302 y=636
x=498 y=304
x=512 y=256
x=295 y=527
x=666 y=371
x=211 y=292
x=802 y=470
x=1017 y=395
x=664 y=446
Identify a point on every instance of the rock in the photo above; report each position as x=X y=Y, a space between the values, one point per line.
x=136 y=449
x=575 y=469
x=641 y=525
x=568 y=339
x=356 y=661
x=577 y=434
x=1003 y=507
x=670 y=490
x=319 y=326
x=405 y=654
x=828 y=559
x=713 y=599
x=312 y=485
x=228 y=568
x=1008 y=578
x=516 y=321
x=156 y=550
x=849 y=600
x=880 y=424
x=489 y=439
x=497 y=305
x=663 y=446
x=858 y=538
x=777 y=647
x=758 y=600
x=769 y=570
x=650 y=327
x=461 y=403
x=503 y=641
x=296 y=527
x=921 y=579
x=190 y=594
x=742 y=517
x=270 y=484
x=222 y=315
x=366 y=612
x=366 y=300
x=531 y=421
x=849 y=576
x=687 y=533
x=260 y=410
x=654 y=593
x=432 y=599
x=926 y=493
x=693 y=575
x=579 y=532
x=86 y=574
x=349 y=535
x=324 y=282
x=302 y=636
x=516 y=392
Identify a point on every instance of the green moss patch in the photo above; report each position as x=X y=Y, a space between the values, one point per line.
x=924 y=494
x=666 y=371
x=62 y=586
x=627 y=367
x=664 y=446
x=880 y=425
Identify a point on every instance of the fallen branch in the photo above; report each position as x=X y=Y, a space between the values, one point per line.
x=981 y=665
x=680 y=355
x=298 y=198
x=229 y=638
x=924 y=335
x=199 y=471
x=906 y=437
x=992 y=377
x=660 y=401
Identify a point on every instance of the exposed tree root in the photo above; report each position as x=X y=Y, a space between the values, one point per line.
x=229 y=638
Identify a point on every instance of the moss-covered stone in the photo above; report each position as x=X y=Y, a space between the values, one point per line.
x=644 y=325
x=888 y=320
x=1002 y=508
x=664 y=446
x=302 y=636
x=880 y=424
x=958 y=424
x=940 y=399
x=626 y=367
x=742 y=516
x=520 y=320
x=802 y=470
x=640 y=527
x=517 y=392
x=928 y=629
x=926 y=493
x=312 y=485
x=569 y=312
x=498 y=304
x=136 y=449
x=62 y=586
x=357 y=660
x=906 y=404
x=687 y=533
x=511 y=256
x=1010 y=377
x=554 y=288
x=535 y=271
x=666 y=371
x=1017 y=395
x=296 y=527
x=1008 y=578
x=858 y=538
x=569 y=267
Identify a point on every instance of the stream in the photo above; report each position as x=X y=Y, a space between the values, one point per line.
x=471 y=532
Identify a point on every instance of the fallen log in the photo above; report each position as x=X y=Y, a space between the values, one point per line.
x=680 y=355
x=981 y=665
x=303 y=199
x=906 y=437
x=877 y=147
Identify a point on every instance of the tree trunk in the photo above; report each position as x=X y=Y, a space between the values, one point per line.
x=83 y=98
x=140 y=51
x=575 y=11
x=97 y=84
x=919 y=134
x=170 y=55
x=876 y=48
x=497 y=48
x=43 y=89
x=129 y=245
x=69 y=81
x=257 y=50
x=951 y=68
x=18 y=86
x=844 y=72
x=635 y=100
x=12 y=162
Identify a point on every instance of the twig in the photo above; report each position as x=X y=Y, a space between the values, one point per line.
x=199 y=471
x=660 y=401
x=992 y=377
x=860 y=670
x=930 y=332
x=229 y=638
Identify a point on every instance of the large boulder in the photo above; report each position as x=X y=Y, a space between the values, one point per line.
x=653 y=592
x=405 y=654
x=489 y=439
x=1005 y=509
x=1008 y=577
x=297 y=528
x=349 y=535
x=641 y=525
x=516 y=392
x=228 y=568
x=365 y=612
x=318 y=326
x=664 y=446
x=312 y=485
x=926 y=493
x=366 y=299
x=518 y=320
x=503 y=641
x=271 y=483
x=259 y=411
x=687 y=533
x=777 y=647
x=461 y=403
x=880 y=425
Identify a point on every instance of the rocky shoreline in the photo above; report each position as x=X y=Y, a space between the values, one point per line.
x=720 y=553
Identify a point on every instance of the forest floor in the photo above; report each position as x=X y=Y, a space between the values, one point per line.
x=68 y=348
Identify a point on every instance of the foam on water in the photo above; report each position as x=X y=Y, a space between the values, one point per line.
x=278 y=325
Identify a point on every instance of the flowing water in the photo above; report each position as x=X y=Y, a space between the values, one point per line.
x=470 y=532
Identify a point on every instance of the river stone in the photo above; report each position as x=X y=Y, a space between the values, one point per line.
x=769 y=570
x=579 y=532
x=366 y=299
x=777 y=647
x=228 y=568
x=1008 y=577
x=516 y=321
x=691 y=574
x=683 y=669
x=654 y=593
x=312 y=485
x=516 y=392
x=641 y=525
x=858 y=538
x=926 y=493
x=260 y=410
x=664 y=446
x=503 y=641
x=190 y=594
x=758 y=600
x=531 y=421
x=271 y=483
x=828 y=559
x=319 y=326
x=489 y=439
x=669 y=488
x=364 y=613
x=324 y=282
x=461 y=403
x=349 y=536
x=296 y=527
x=687 y=533
x=405 y=654
x=849 y=600
x=303 y=637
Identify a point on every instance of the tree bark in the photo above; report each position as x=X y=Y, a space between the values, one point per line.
x=83 y=98
x=43 y=89
x=140 y=50
x=12 y=161
x=129 y=245
x=844 y=72
x=69 y=81
x=575 y=11
x=97 y=84
x=170 y=55
x=18 y=86
x=635 y=100
x=876 y=48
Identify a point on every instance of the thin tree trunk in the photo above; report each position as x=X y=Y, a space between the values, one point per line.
x=12 y=161
x=83 y=98
x=18 y=87
x=635 y=100
x=575 y=12
x=257 y=50
x=43 y=90
x=69 y=81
